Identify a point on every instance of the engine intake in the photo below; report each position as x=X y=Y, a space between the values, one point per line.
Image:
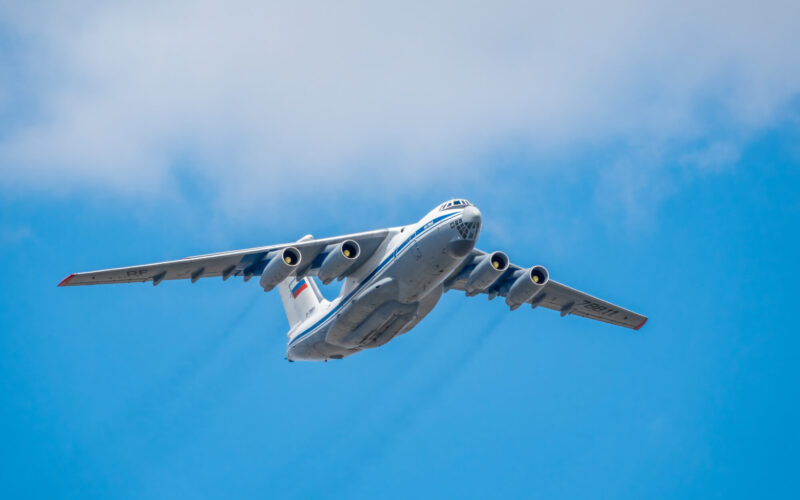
x=280 y=267
x=486 y=273
x=527 y=286
x=339 y=259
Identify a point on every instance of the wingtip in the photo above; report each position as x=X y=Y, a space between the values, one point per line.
x=66 y=280
x=641 y=325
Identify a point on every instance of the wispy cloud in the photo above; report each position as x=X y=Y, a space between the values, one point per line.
x=12 y=236
x=259 y=98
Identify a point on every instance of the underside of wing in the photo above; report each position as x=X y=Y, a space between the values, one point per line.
x=494 y=275
x=570 y=301
x=310 y=256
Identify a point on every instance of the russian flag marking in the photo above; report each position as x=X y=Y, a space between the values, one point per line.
x=298 y=288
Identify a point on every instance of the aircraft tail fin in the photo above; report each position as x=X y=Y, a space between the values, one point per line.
x=300 y=298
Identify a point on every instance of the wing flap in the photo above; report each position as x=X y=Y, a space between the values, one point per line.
x=555 y=296
x=567 y=300
x=247 y=263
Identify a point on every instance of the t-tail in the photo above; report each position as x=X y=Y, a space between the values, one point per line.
x=300 y=298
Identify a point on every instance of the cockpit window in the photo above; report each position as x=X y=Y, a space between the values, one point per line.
x=455 y=204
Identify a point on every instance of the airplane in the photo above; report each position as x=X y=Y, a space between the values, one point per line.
x=393 y=278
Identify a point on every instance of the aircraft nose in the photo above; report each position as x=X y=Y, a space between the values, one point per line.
x=471 y=214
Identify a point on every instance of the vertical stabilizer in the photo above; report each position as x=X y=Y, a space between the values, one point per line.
x=300 y=298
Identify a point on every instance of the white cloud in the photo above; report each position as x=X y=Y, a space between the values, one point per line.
x=258 y=98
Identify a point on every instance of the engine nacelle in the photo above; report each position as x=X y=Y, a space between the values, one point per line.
x=527 y=286
x=339 y=259
x=280 y=267
x=486 y=273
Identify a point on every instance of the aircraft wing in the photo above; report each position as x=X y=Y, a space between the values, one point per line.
x=554 y=296
x=246 y=263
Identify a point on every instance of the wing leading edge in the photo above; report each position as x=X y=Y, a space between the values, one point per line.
x=554 y=295
x=246 y=263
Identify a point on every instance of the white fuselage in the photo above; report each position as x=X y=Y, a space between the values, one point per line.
x=397 y=287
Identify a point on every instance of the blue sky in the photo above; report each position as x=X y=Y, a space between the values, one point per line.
x=657 y=171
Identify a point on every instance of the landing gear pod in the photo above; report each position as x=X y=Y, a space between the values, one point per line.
x=527 y=286
x=338 y=261
x=280 y=267
x=486 y=273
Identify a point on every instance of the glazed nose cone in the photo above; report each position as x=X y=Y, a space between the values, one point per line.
x=471 y=214
x=465 y=234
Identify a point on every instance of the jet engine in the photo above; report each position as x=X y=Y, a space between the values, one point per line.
x=280 y=267
x=338 y=261
x=527 y=286
x=486 y=273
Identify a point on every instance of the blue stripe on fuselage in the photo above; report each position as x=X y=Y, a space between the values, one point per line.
x=419 y=232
